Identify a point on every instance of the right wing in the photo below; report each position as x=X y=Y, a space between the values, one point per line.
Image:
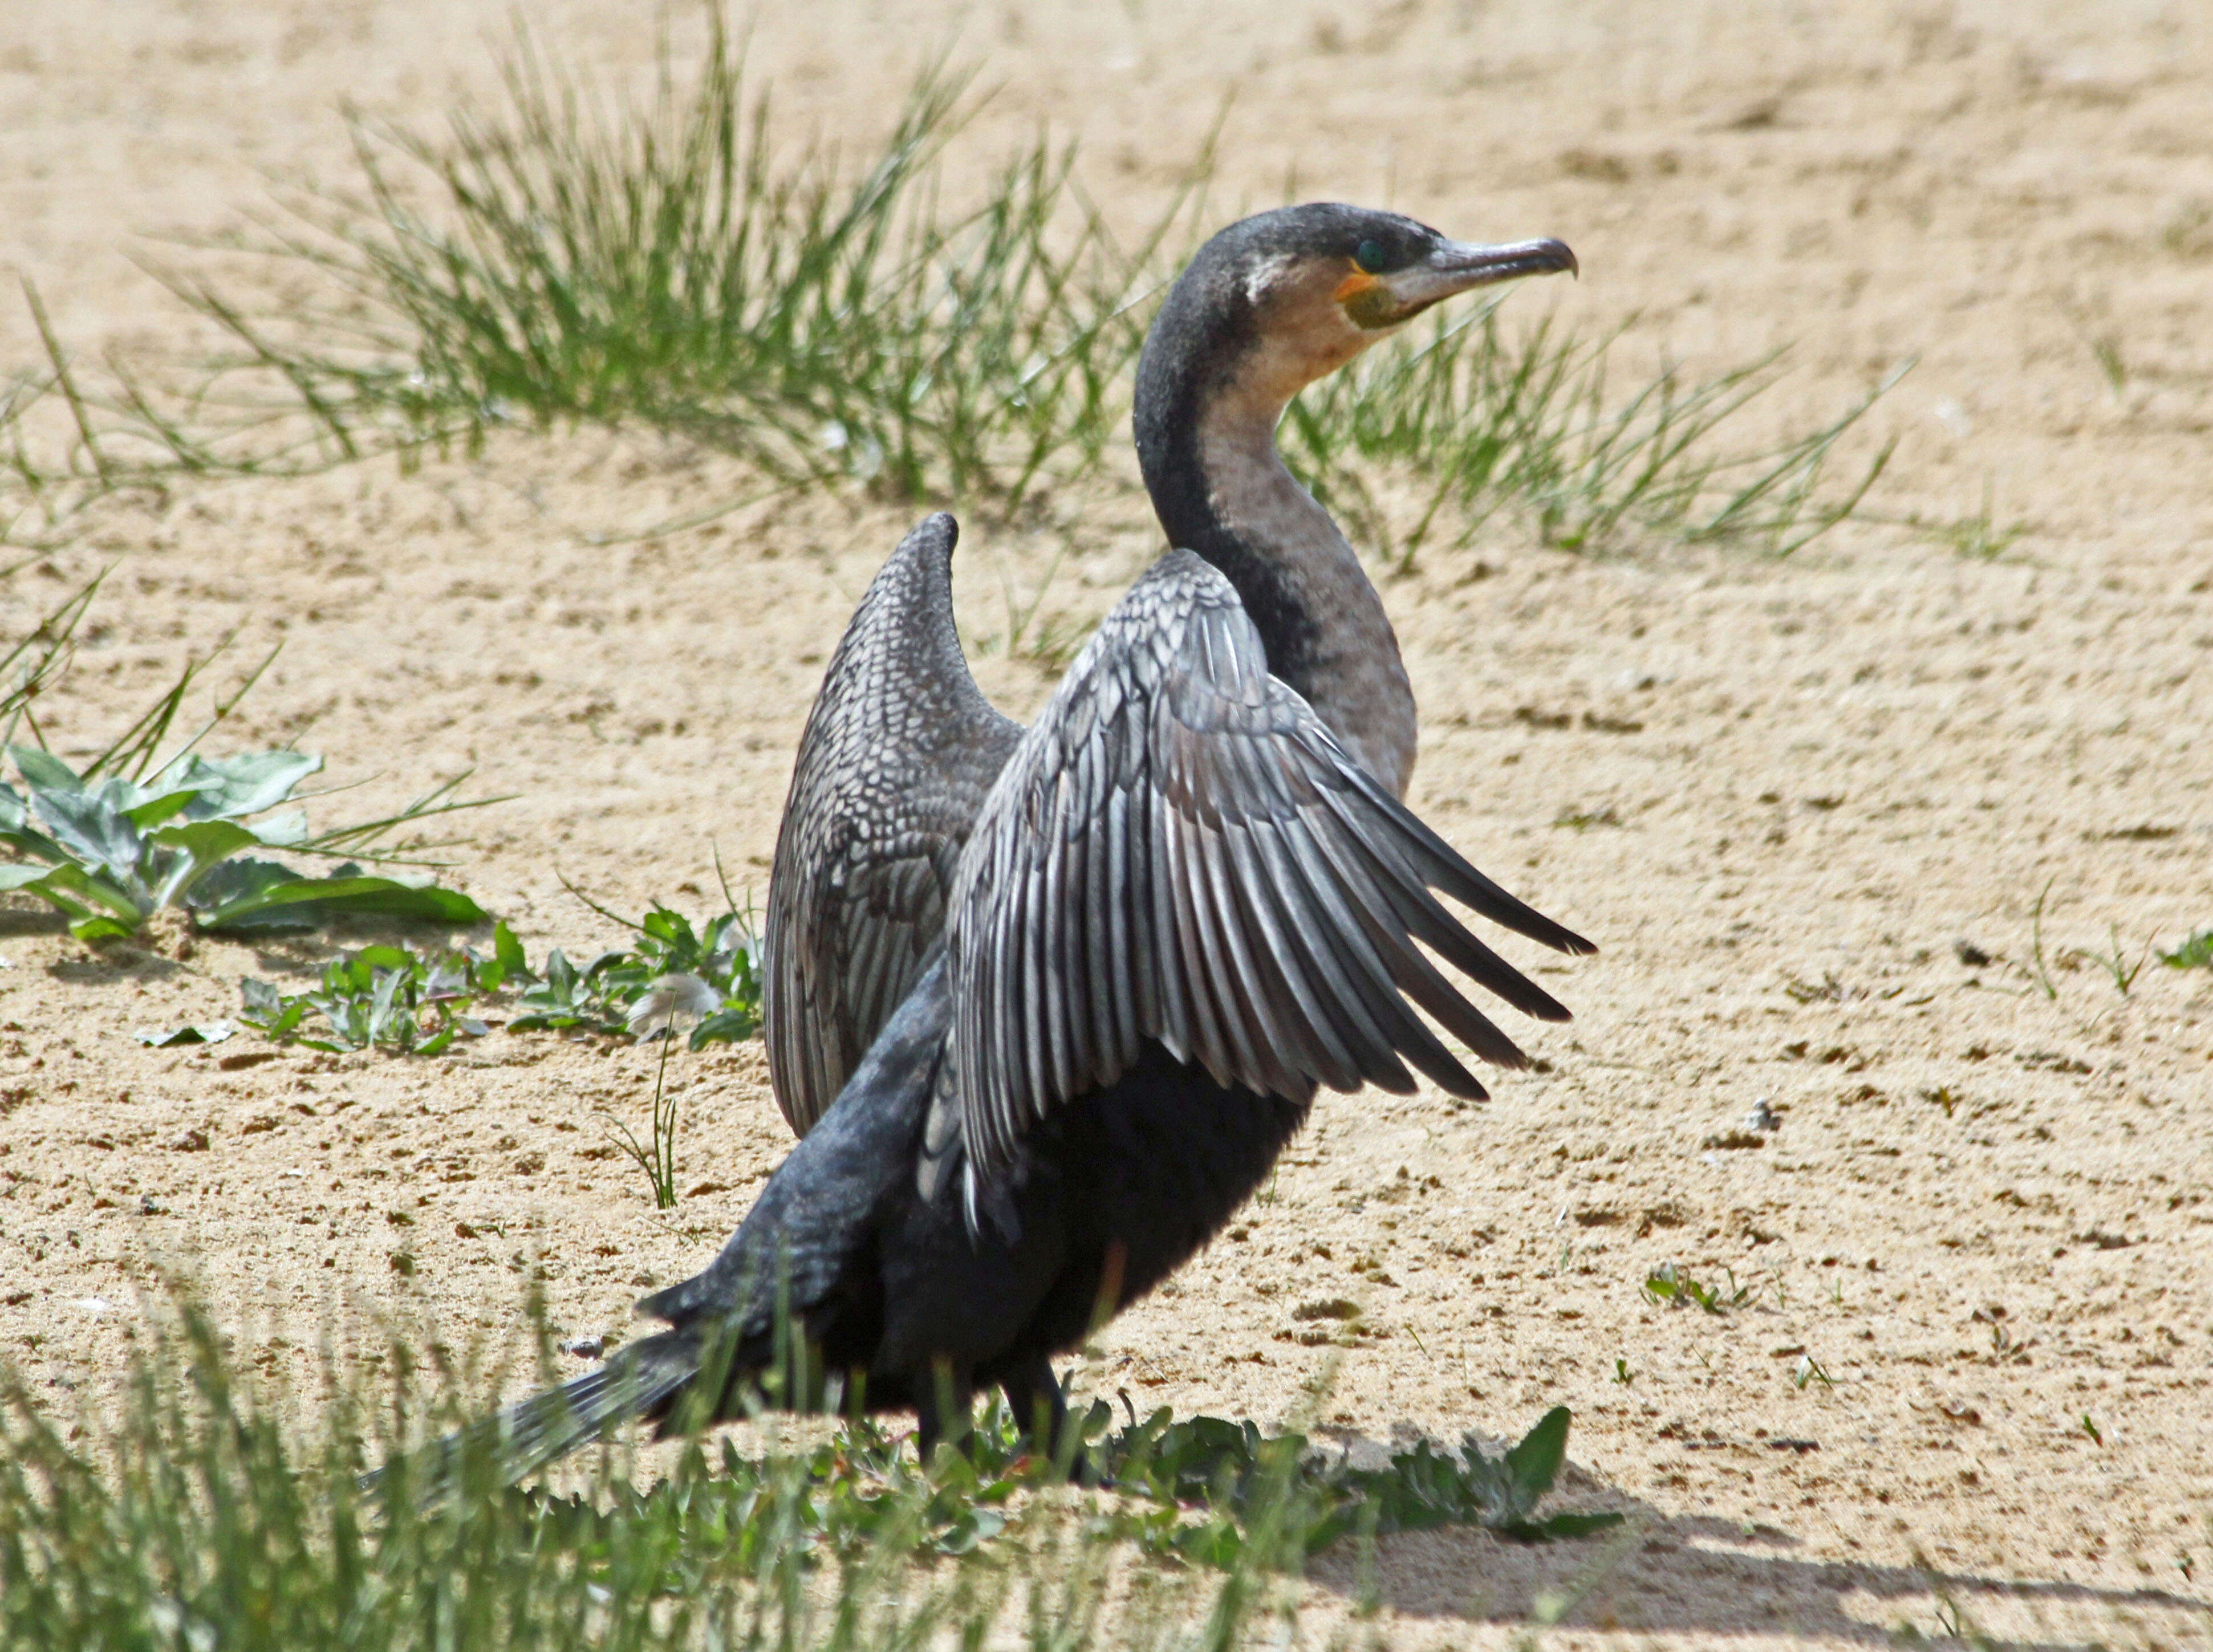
x=899 y=751
x=1182 y=850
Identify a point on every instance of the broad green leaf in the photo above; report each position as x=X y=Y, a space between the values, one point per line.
x=244 y=784
x=1534 y=1463
x=45 y=771
x=152 y=812
x=19 y=874
x=383 y=896
x=210 y=1032
x=80 y=892
x=208 y=841
x=509 y=951
x=235 y=879
x=283 y=831
x=100 y=929
x=11 y=808
x=25 y=840
x=92 y=831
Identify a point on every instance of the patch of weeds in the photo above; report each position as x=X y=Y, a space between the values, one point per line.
x=388 y=998
x=1666 y=1284
x=669 y=1001
x=1481 y=418
x=416 y=1002
x=2196 y=953
x=1582 y=820
x=196 y=1512
x=584 y=258
x=1230 y=1469
x=605 y=995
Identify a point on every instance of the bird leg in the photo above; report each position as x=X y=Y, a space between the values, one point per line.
x=1035 y=1397
x=946 y=1412
x=1040 y=1410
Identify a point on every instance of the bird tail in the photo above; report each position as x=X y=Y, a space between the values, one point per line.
x=643 y=1379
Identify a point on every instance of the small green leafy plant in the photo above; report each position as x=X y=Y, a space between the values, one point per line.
x=111 y=849
x=127 y=834
x=606 y=993
x=1231 y=1469
x=1664 y=1283
x=2196 y=953
x=388 y=998
x=416 y=1002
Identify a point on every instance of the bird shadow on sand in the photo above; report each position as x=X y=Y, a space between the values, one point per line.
x=1703 y=1578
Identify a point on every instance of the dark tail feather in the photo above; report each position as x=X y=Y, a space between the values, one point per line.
x=640 y=1381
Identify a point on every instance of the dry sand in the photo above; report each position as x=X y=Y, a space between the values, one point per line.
x=1985 y=1212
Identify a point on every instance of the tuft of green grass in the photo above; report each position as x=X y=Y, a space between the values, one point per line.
x=1978 y=535
x=2117 y=962
x=1477 y=417
x=558 y=257
x=201 y=1508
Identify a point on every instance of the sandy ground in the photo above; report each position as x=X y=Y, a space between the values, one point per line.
x=1983 y=1214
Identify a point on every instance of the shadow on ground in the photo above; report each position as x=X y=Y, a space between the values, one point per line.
x=1698 y=1576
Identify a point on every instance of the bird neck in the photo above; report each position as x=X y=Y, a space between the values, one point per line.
x=1206 y=443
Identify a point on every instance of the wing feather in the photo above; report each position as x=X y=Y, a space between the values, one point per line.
x=1181 y=851
x=899 y=751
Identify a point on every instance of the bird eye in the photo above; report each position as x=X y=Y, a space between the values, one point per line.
x=1370 y=258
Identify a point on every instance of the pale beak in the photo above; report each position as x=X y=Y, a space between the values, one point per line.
x=1457 y=266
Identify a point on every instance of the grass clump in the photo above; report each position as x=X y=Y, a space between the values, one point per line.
x=554 y=260
x=564 y=257
x=1478 y=418
x=198 y=1510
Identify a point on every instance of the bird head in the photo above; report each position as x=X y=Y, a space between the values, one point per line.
x=1283 y=298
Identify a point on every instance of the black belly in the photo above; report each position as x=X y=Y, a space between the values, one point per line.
x=1114 y=1193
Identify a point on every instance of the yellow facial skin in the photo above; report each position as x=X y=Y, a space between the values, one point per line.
x=1366 y=303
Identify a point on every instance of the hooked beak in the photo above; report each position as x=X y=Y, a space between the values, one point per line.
x=1458 y=266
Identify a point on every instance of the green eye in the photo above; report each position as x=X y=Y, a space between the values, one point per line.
x=1370 y=258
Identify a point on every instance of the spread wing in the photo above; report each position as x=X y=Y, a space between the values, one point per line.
x=1180 y=850
x=899 y=751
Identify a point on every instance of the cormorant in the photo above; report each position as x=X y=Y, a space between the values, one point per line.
x=1045 y=1004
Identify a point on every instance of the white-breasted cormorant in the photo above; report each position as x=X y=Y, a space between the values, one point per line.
x=1045 y=1004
